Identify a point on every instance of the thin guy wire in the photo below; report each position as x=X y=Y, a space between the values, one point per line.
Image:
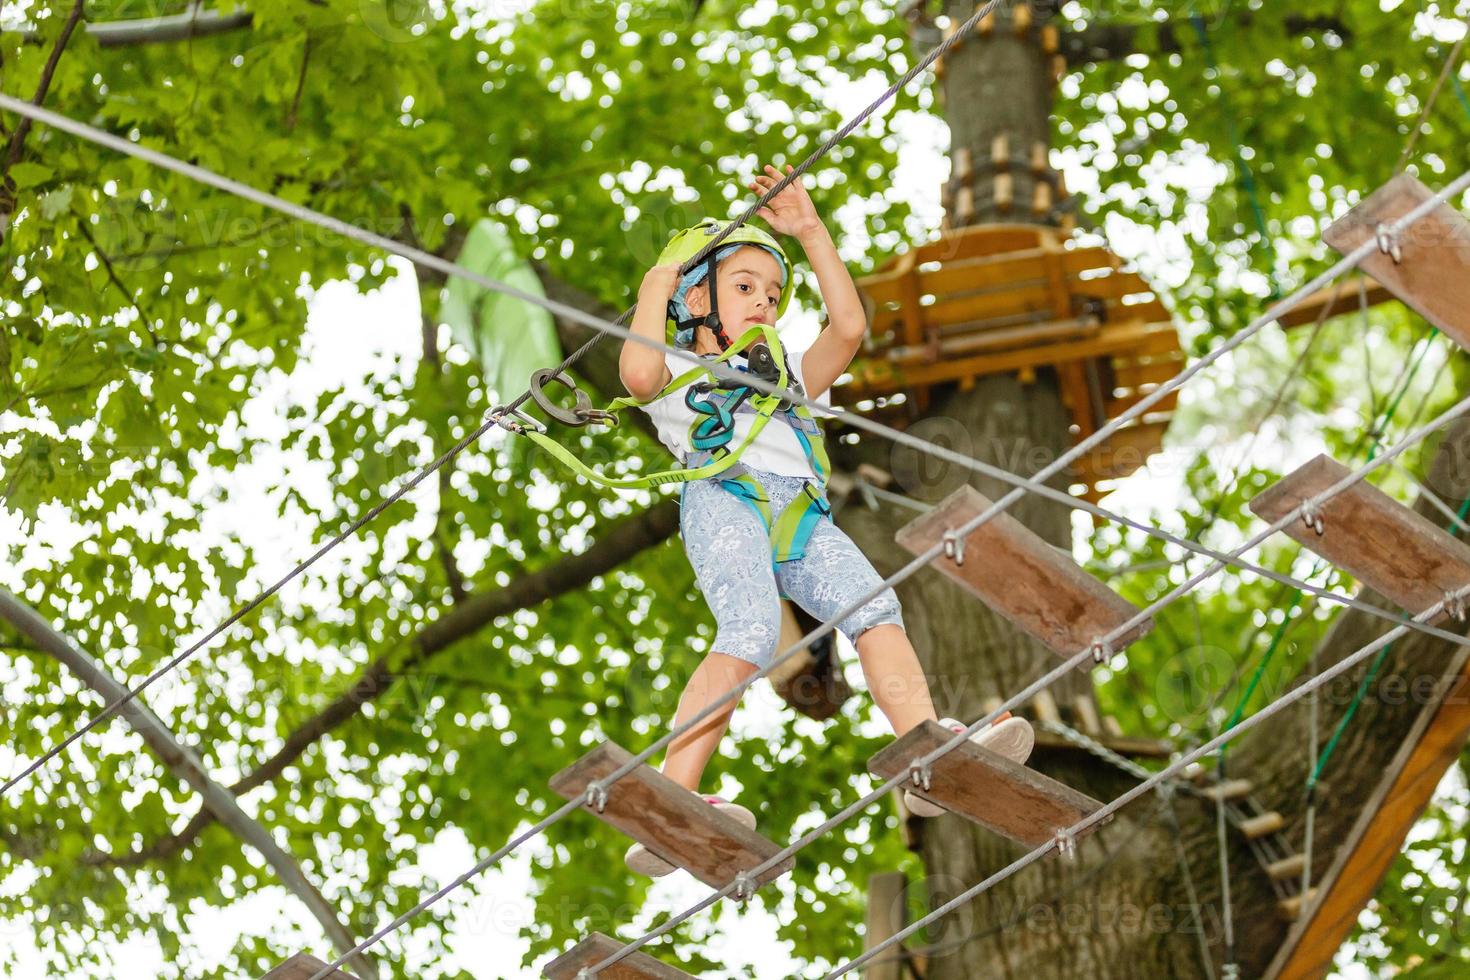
x=421 y=257
x=1173 y=769
x=248 y=193
x=1036 y=686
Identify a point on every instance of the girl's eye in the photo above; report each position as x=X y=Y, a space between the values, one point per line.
x=744 y=287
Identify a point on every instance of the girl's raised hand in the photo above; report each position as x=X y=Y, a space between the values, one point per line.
x=659 y=284
x=790 y=212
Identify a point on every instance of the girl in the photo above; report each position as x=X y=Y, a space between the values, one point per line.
x=744 y=554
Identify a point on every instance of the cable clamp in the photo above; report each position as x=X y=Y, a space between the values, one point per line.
x=744 y=887
x=596 y=795
x=1066 y=844
x=1312 y=517
x=1230 y=971
x=1454 y=604
x=1102 y=650
x=1388 y=244
x=518 y=422
x=920 y=774
x=954 y=546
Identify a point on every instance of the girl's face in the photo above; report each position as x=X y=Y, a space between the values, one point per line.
x=750 y=289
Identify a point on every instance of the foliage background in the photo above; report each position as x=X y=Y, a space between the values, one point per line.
x=150 y=325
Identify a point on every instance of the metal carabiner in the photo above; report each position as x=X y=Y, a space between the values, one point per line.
x=580 y=414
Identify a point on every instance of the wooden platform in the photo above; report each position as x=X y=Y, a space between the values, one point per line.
x=303 y=967
x=1021 y=577
x=1397 y=552
x=1337 y=299
x=1364 y=857
x=596 y=948
x=999 y=795
x=998 y=299
x=1432 y=273
x=669 y=820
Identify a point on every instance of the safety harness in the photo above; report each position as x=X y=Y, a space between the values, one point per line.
x=716 y=402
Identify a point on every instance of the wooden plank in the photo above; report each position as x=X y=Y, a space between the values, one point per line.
x=1338 y=301
x=909 y=318
x=1138 y=338
x=1291 y=908
x=1136 y=374
x=952 y=311
x=1364 y=856
x=977 y=240
x=1045 y=707
x=1021 y=577
x=303 y=967
x=1005 y=798
x=1230 y=789
x=669 y=820
x=1263 y=825
x=999 y=270
x=1397 y=552
x=1123 y=453
x=1029 y=336
x=1117 y=406
x=1287 y=868
x=887 y=914
x=1433 y=273
x=596 y=948
x=1085 y=711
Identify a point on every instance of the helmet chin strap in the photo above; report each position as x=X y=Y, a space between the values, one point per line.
x=712 y=318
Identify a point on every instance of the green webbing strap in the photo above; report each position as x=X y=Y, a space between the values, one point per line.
x=765 y=405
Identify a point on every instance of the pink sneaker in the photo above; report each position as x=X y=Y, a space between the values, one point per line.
x=645 y=862
x=1010 y=737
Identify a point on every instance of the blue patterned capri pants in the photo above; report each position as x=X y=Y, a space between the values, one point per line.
x=731 y=554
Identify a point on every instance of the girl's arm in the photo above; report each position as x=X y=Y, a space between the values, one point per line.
x=642 y=368
x=792 y=213
x=847 y=324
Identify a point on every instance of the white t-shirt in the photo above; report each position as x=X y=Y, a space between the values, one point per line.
x=775 y=450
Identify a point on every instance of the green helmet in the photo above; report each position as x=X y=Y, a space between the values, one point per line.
x=688 y=243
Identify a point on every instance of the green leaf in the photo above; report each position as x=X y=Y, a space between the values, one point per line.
x=508 y=337
x=30 y=174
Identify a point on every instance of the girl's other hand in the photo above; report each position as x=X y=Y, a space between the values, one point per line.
x=659 y=284
x=790 y=212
